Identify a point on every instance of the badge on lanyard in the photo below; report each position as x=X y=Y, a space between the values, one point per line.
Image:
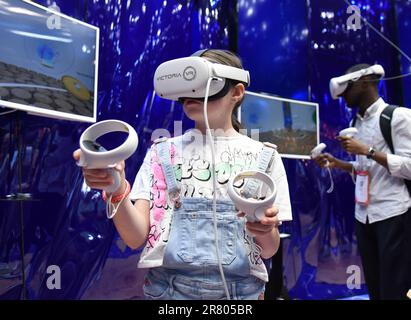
x=362 y=187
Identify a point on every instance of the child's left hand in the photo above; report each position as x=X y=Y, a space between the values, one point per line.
x=353 y=146
x=265 y=225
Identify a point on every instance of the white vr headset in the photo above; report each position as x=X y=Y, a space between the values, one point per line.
x=339 y=84
x=186 y=78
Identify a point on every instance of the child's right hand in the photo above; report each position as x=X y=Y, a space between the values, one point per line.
x=101 y=178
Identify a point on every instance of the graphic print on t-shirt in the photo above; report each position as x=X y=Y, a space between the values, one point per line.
x=194 y=171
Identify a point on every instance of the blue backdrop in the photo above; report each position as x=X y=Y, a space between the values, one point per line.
x=291 y=48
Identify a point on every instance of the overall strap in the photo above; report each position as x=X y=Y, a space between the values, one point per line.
x=264 y=162
x=164 y=156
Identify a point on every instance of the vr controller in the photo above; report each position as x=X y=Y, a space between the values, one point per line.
x=318 y=150
x=254 y=209
x=95 y=156
x=348 y=132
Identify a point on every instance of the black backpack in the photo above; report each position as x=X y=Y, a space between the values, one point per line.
x=385 y=125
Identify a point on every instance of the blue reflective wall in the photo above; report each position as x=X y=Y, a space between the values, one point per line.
x=291 y=48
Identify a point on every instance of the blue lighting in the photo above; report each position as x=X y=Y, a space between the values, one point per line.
x=214 y=3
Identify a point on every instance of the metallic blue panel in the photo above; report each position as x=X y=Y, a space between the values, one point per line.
x=272 y=42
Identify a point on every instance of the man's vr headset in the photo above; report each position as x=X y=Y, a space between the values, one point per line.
x=338 y=85
x=186 y=78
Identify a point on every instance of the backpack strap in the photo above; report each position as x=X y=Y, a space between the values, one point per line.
x=354 y=121
x=385 y=125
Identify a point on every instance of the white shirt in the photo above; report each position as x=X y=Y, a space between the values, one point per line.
x=388 y=195
x=192 y=165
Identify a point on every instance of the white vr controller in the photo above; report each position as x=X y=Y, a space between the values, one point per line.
x=94 y=156
x=254 y=209
x=348 y=132
x=318 y=150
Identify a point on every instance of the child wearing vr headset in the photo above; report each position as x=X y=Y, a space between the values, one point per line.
x=170 y=208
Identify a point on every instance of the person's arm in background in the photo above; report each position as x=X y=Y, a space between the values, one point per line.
x=131 y=221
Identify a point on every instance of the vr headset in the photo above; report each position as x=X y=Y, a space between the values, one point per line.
x=186 y=78
x=338 y=85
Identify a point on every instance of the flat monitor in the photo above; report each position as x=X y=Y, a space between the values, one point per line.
x=48 y=62
x=292 y=125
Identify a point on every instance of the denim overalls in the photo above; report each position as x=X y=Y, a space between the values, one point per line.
x=190 y=265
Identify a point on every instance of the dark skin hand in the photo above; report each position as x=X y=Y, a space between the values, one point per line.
x=353 y=146
x=328 y=160
x=358 y=148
